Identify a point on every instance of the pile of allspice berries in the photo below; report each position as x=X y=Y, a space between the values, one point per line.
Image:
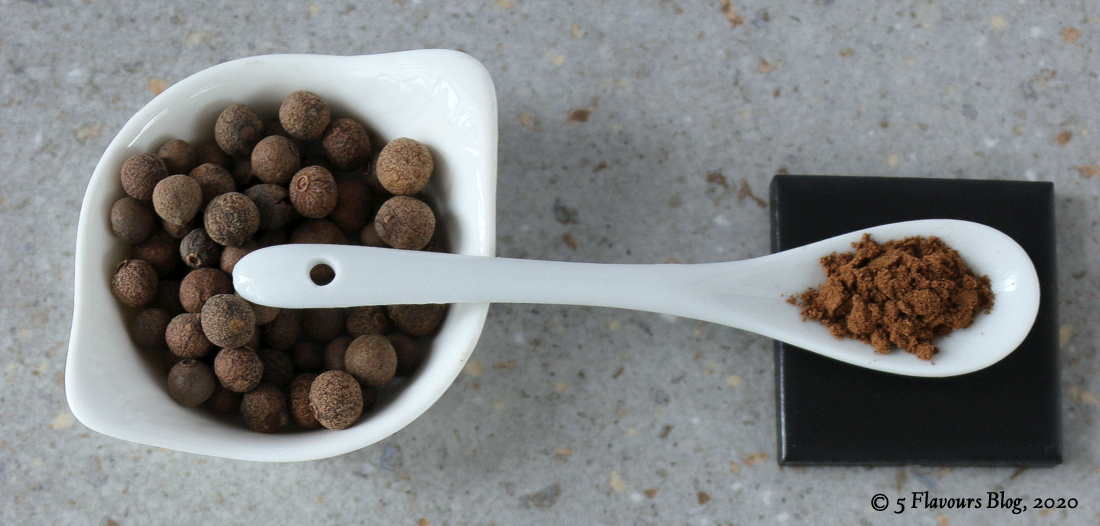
x=192 y=211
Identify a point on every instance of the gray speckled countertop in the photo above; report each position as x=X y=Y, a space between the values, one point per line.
x=629 y=132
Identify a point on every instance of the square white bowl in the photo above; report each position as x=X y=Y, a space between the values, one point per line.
x=444 y=99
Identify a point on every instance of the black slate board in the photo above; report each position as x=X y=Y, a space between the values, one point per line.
x=834 y=413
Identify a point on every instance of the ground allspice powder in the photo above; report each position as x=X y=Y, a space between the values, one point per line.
x=897 y=294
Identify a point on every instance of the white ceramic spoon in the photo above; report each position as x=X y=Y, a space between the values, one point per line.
x=750 y=294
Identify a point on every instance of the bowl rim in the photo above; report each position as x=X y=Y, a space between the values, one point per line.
x=453 y=67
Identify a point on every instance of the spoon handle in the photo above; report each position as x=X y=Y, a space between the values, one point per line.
x=279 y=276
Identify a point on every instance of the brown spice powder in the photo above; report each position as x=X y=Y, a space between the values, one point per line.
x=898 y=294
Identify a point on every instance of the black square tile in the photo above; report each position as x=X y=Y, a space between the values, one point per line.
x=835 y=413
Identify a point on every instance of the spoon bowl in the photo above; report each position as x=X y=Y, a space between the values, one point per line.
x=750 y=294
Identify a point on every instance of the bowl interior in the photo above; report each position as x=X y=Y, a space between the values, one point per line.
x=444 y=99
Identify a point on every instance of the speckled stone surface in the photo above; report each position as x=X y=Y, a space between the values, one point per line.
x=629 y=132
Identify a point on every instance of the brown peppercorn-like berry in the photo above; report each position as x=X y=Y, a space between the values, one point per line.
x=228 y=320
x=178 y=156
x=213 y=180
x=231 y=218
x=304 y=115
x=272 y=238
x=298 y=397
x=409 y=353
x=318 y=231
x=322 y=325
x=313 y=192
x=190 y=382
x=237 y=130
x=185 y=338
x=334 y=353
x=274 y=127
x=238 y=369
x=148 y=328
x=200 y=285
x=405 y=222
x=177 y=231
x=177 y=198
x=140 y=174
x=336 y=399
x=346 y=144
x=275 y=160
x=371 y=360
x=160 y=250
x=135 y=282
x=223 y=400
x=132 y=220
x=264 y=314
x=307 y=355
x=273 y=203
x=404 y=166
x=264 y=409
x=232 y=254
x=284 y=331
x=210 y=153
x=242 y=171
x=198 y=250
x=368 y=237
x=417 y=320
x=278 y=370
x=168 y=297
x=352 y=206
x=257 y=339
x=367 y=320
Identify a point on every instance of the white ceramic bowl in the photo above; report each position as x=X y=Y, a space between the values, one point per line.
x=442 y=98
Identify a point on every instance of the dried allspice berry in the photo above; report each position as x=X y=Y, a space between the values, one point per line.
x=177 y=231
x=140 y=174
x=405 y=222
x=242 y=171
x=160 y=250
x=185 y=338
x=231 y=218
x=371 y=359
x=417 y=320
x=177 y=198
x=368 y=237
x=232 y=254
x=334 y=353
x=198 y=250
x=273 y=203
x=223 y=400
x=131 y=220
x=178 y=156
x=190 y=382
x=336 y=399
x=409 y=353
x=298 y=397
x=352 y=206
x=404 y=166
x=313 y=192
x=367 y=320
x=134 y=282
x=264 y=409
x=237 y=130
x=318 y=231
x=278 y=369
x=149 y=327
x=210 y=153
x=214 y=180
x=284 y=331
x=264 y=314
x=228 y=320
x=346 y=144
x=238 y=369
x=202 y=284
x=275 y=160
x=304 y=115
x=322 y=325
